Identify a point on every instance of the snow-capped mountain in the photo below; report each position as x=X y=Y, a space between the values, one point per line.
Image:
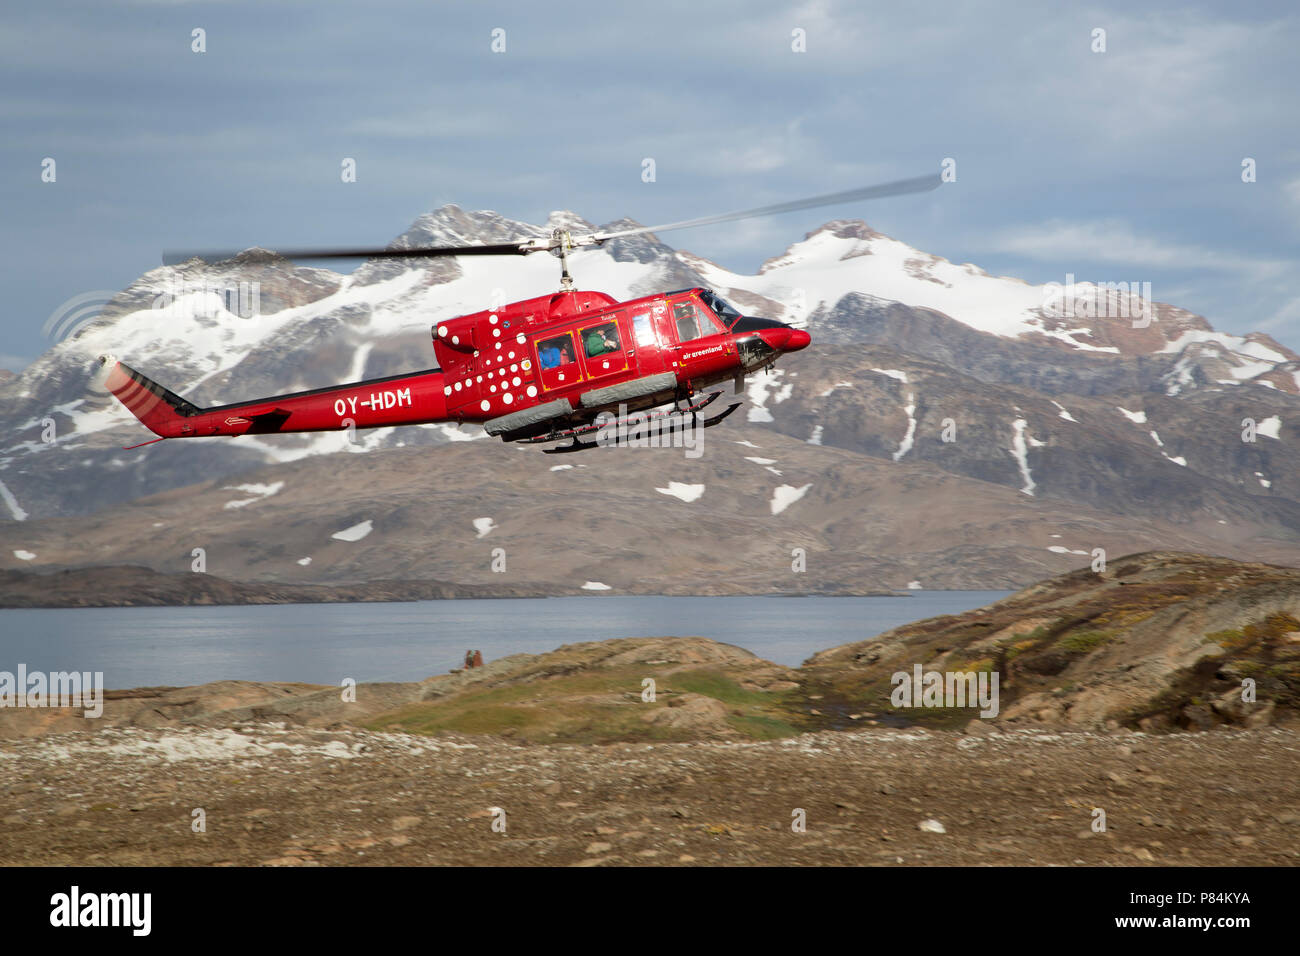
x=1041 y=383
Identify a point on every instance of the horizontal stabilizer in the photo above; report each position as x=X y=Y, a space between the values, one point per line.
x=160 y=409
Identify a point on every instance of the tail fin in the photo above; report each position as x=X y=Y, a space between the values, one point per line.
x=162 y=411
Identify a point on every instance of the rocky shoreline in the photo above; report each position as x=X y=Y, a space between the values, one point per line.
x=133 y=586
x=1120 y=693
x=1158 y=642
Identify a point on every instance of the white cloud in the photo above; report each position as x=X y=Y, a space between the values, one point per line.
x=1288 y=314
x=1115 y=241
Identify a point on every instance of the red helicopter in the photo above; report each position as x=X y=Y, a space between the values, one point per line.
x=547 y=369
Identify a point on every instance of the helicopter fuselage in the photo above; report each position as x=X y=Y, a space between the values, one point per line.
x=527 y=369
x=532 y=366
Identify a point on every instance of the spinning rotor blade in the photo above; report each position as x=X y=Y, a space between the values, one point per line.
x=523 y=247
x=264 y=255
x=900 y=187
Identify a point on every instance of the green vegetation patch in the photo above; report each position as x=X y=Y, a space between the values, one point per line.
x=601 y=705
x=1084 y=642
x=1258 y=650
x=1231 y=639
x=1266 y=631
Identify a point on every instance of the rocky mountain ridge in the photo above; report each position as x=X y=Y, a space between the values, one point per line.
x=984 y=446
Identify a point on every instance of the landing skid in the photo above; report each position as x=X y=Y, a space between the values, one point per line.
x=576 y=434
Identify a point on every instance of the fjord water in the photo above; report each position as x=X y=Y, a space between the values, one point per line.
x=324 y=643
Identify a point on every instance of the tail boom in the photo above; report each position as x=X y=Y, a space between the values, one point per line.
x=411 y=399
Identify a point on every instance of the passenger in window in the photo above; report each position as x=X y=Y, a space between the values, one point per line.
x=566 y=355
x=601 y=340
x=548 y=355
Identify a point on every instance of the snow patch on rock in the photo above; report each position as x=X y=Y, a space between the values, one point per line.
x=1064 y=414
x=1020 y=451
x=15 y=509
x=257 y=491
x=356 y=532
x=763 y=387
x=906 y=444
x=786 y=495
x=682 y=491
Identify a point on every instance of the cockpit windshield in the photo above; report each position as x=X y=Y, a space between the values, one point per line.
x=720 y=308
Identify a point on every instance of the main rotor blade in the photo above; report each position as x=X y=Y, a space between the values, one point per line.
x=901 y=187
x=523 y=247
x=263 y=255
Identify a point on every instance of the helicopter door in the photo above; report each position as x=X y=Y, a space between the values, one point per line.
x=648 y=339
x=557 y=362
x=701 y=349
x=690 y=323
x=605 y=348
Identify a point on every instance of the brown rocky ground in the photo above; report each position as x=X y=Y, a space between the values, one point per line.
x=684 y=750
x=298 y=797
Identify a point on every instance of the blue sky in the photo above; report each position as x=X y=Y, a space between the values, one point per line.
x=1115 y=166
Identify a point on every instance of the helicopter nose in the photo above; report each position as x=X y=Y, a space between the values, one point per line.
x=782 y=338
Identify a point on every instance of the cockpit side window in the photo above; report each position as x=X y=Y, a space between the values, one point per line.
x=725 y=312
x=691 y=321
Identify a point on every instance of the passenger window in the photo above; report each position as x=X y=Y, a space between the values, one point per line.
x=643 y=329
x=601 y=340
x=552 y=353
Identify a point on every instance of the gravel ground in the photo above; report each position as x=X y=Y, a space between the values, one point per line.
x=276 y=796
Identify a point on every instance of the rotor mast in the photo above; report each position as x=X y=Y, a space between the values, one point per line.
x=564 y=242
